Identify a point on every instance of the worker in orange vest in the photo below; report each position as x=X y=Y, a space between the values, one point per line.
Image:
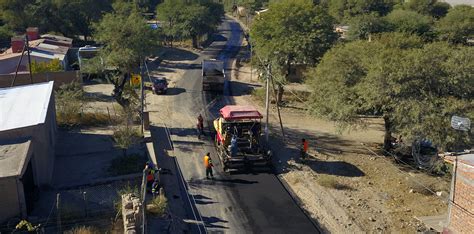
x=208 y=165
x=304 y=149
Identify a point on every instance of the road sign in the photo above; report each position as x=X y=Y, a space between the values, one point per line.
x=136 y=79
x=459 y=123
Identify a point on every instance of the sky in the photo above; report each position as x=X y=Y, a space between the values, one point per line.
x=457 y=2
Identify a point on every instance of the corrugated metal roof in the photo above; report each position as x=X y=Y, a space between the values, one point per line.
x=24 y=106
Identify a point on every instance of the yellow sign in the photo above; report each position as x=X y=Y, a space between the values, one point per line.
x=136 y=79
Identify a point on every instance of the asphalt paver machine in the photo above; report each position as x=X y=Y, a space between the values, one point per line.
x=239 y=138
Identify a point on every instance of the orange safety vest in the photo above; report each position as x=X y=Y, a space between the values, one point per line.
x=206 y=161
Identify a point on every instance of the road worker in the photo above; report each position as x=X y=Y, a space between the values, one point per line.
x=208 y=165
x=200 y=125
x=233 y=146
x=155 y=187
x=304 y=149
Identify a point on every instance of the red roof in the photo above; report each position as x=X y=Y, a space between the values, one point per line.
x=234 y=112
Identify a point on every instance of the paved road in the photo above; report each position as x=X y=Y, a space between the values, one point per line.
x=237 y=203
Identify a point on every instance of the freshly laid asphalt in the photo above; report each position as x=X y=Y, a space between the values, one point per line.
x=231 y=203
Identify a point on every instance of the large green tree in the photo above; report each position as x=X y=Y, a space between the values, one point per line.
x=70 y=18
x=411 y=22
x=458 y=25
x=291 y=32
x=191 y=19
x=344 y=9
x=363 y=26
x=415 y=90
x=127 y=41
x=428 y=7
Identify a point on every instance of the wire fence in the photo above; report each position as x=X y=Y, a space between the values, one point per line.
x=95 y=208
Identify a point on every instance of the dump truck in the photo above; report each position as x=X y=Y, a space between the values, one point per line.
x=238 y=138
x=213 y=75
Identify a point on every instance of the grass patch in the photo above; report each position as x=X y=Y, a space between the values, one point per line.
x=259 y=94
x=331 y=182
x=158 y=205
x=127 y=164
x=87 y=119
x=83 y=230
x=127 y=189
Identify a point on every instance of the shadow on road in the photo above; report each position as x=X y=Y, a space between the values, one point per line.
x=210 y=222
x=175 y=54
x=175 y=91
x=203 y=200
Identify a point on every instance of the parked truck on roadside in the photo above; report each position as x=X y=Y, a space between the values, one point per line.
x=213 y=75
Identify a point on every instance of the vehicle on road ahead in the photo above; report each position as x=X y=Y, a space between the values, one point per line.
x=238 y=133
x=160 y=85
x=213 y=75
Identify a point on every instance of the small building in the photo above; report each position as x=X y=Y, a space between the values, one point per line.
x=461 y=205
x=43 y=48
x=27 y=141
x=342 y=30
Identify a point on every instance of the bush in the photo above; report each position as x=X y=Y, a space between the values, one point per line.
x=158 y=205
x=259 y=94
x=442 y=168
x=128 y=164
x=83 y=230
x=331 y=182
x=327 y=181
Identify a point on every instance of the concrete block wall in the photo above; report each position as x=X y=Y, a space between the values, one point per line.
x=131 y=214
x=461 y=216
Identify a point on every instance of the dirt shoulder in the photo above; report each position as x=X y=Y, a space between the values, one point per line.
x=345 y=186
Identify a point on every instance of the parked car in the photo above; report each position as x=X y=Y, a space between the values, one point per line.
x=160 y=85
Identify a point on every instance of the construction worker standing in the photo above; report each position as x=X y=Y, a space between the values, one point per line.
x=200 y=125
x=304 y=149
x=208 y=164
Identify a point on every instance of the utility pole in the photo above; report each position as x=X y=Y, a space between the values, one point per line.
x=267 y=101
x=29 y=58
x=142 y=95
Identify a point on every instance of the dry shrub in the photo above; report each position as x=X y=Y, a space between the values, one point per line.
x=327 y=181
x=158 y=205
x=332 y=182
x=83 y=230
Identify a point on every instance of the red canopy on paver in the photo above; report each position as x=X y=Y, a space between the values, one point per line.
x=234 y=112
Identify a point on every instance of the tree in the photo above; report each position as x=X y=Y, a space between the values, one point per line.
x=41 y=67
x=415 y=90
x=440 y=9
x=346 y=9
x=362 y=26
x=195 y=19
x=458 y=25
x=410 y=22
x=289 y=33
x=170 y=13
x=14 y=13
x=428 y=7
x=127 y=40
x=189 y=20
